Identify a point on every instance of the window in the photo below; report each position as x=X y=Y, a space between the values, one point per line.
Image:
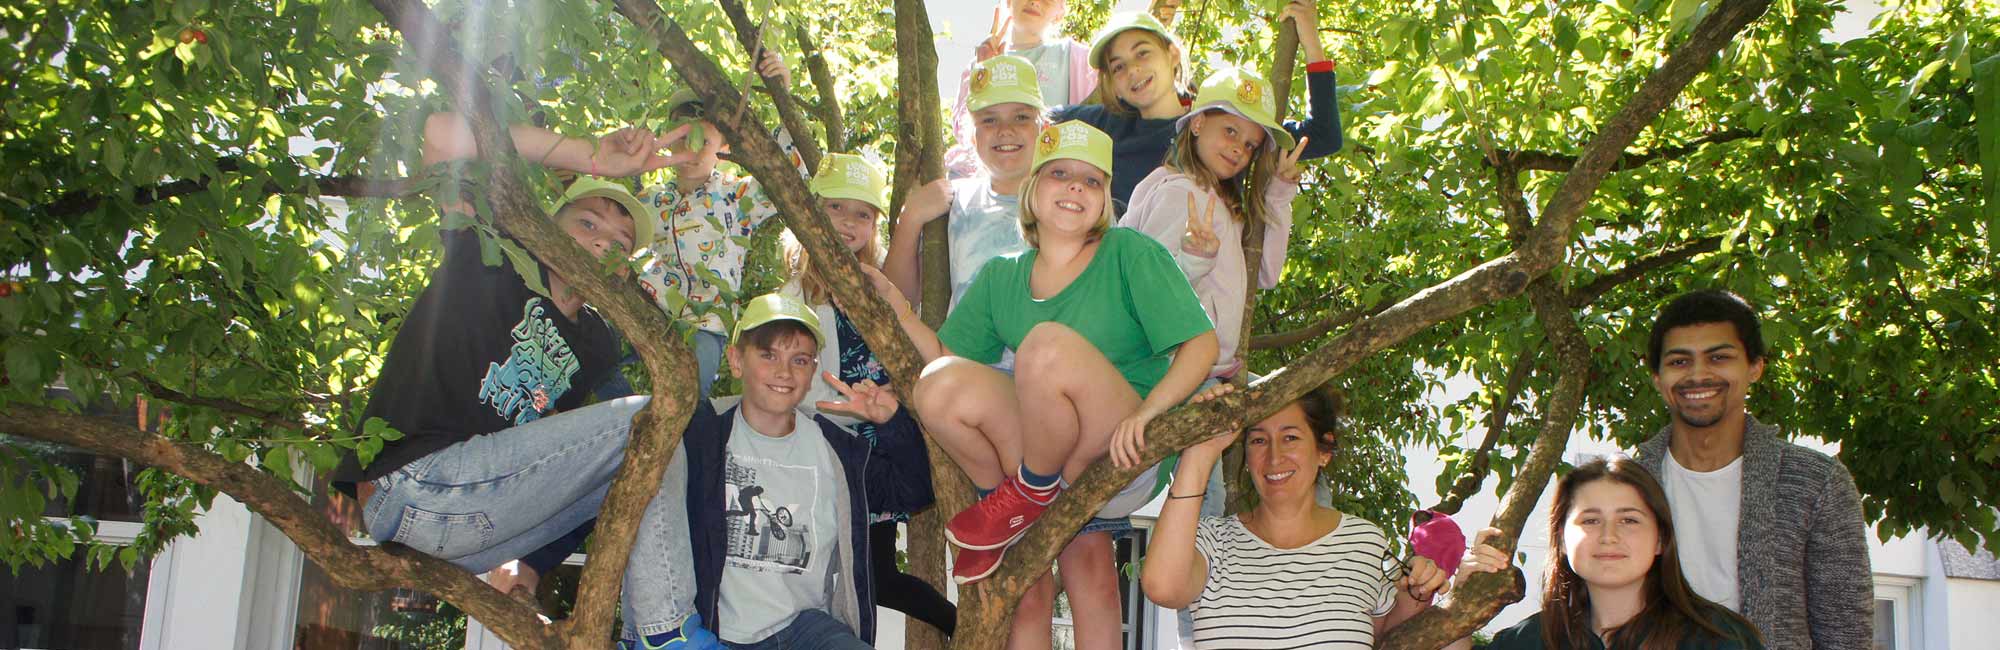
x=67 y=605
x=1896 y=607
x=1127 y=548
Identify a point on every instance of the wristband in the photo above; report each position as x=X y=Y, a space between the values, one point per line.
x=1188 y=496
x=1320 y=66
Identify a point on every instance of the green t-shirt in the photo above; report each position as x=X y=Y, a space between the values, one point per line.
x=1527 y=635
x=1131 y=276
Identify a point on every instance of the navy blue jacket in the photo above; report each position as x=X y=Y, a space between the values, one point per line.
x=897 y=480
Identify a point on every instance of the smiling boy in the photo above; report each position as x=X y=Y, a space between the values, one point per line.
x=1768 y=528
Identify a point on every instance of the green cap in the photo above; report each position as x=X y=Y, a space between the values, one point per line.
x=764 y=309
x=681 y=98
x=1004 y=79
x=848 y=176
x=644 y=219
x=1118 y=24
x=1242 y=93
x=1074 y=140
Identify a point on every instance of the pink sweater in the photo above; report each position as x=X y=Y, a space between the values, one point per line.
x=1159 y=209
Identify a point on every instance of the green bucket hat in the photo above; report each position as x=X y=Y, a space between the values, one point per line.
x=1242 y=93
x=1074 y=140
x=681 y=98
x=644 y=218
x=1004 y=79
x=1118 y=24
x=848 y=176
x=764 y=309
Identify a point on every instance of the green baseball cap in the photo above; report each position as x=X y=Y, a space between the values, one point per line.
x=764 y=309
x=848 y=176
x=681 y=98
x=1074 y=140
x=1004 y=79
x=644 y=218
x=1118 y=24
x=1242 y=93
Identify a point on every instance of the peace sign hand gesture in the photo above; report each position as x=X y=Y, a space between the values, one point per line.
x=865 y=399
x=1200 y=240
x=1288 y=164
x=996 y=42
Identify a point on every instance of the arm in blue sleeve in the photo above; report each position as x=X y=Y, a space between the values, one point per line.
x=899 y=472
x=1322 y=122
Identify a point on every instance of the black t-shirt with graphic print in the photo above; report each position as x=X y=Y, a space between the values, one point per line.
x=479 y=352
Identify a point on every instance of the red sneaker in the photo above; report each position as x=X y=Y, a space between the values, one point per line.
x=972 y=565
x=999 y=519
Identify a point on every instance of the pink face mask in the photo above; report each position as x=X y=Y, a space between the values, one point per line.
x=1434 y=535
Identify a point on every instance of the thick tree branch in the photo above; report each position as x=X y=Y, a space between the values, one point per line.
x=828 y=108
x=354 y=567
x=1496 y=425
x=750 y=35
x=79 y=202
x=1585 y=295
x=1317 y=328
x=1554 y=162
x=657 y=427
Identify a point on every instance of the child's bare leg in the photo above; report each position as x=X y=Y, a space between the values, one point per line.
x=1090 y=577
x=971 y=410
x=1033 y=627
x=1072 y=398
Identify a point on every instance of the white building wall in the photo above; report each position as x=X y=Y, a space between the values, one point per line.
x=1974 y=611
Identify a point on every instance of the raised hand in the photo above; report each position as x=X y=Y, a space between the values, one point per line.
x=865 y=399
x=1288 y=164
x=996 y=42
x=927 y=202
x=1424 y=579
x=769 y=65
x=1128 y=441
x=1215 y=445
x=1200 y=240
x=633 y=150
x=1481 y=558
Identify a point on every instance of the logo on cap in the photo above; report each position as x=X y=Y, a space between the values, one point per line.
x=1250 y=94
x=1047 y=144
x=1005 y=75
x=982 y=79
x=857 y=174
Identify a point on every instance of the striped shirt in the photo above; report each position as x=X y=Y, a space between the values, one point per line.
x=1321 y=595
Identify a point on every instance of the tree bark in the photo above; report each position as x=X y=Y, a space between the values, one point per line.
x=750 y=35
x=829 y=94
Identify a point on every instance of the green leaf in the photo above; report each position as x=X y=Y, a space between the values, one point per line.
x=1901 y=108
x=524 y=265
x=24 y=363
x=1986 y=111
x=1681 y=14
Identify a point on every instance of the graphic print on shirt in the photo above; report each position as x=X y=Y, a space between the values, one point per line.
x=537 y=372
x=767 y=511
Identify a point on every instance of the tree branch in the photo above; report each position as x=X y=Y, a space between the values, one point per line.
x=80 y=202
x=750 y=35
x=1496 y=424
x=1317 y=328
x=828 y=109
x=658 y=426
x=354 y=567
x=1554 y=162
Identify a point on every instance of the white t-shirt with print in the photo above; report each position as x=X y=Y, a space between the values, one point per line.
x=778 y=508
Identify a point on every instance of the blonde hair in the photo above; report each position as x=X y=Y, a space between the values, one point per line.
x=1245 y=191
x=1031 y=226
x=814 y=288
x=1107 y=96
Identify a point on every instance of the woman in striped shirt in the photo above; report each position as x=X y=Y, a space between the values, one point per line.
x=1290 y=573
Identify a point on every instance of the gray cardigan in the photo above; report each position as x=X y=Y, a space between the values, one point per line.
x=1802 y=565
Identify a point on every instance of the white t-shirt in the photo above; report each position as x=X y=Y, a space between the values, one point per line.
x=984 y=225
x=1322 y=595
x=778 y=507
x=1706 y=508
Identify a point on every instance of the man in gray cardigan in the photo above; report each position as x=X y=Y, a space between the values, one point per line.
x=1768 y=528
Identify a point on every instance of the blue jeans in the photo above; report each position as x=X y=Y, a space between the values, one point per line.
x=813 y=630
x=506 y=494
x=708 y=357
x=707 y=361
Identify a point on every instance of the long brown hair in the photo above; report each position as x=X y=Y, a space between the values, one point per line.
x=1670 y=611
x=1245 y=191
x=812 y=287
x=1106 y=96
